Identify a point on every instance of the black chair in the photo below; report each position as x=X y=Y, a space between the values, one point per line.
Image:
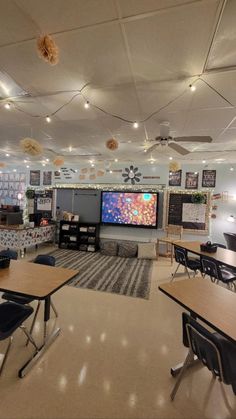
x=219 y=245
x=213 y=350
x=10 y=254
x=181 y=257
x=12 y=316
x=218 y=272
x=42 y=260
x=230 y=239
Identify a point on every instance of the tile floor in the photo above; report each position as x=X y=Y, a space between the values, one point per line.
x=112 y=360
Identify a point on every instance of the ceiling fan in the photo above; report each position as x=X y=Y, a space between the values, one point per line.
x=164 y=139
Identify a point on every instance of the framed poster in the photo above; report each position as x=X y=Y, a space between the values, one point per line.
x=191 y=180
x=175 y=178
x=35 y=177
x=44 y=204
x=208 y=178
x=47 y=178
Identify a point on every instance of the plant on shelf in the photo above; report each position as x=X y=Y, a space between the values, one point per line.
x=29 y=194
x=199 y=198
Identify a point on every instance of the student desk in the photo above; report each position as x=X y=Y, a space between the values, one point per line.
x=209 y=302
x=38 y=282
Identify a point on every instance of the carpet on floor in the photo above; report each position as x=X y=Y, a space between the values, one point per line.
x=124 y=276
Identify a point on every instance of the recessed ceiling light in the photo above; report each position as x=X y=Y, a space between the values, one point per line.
x=7 y=155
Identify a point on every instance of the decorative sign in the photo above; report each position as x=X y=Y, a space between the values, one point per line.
x=191 y=181
x=131 y=174
x=194 y=213
x=35 y=177
x=44 y=204
x=175 y=178
x=208 y=178
x=47 y=178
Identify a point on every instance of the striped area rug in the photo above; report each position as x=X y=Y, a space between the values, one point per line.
x=124 y=276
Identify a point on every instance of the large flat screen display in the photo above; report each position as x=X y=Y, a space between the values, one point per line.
x=138 y=209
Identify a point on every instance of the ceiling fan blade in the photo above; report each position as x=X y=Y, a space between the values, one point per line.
x=181 y=150
x=195 y=139
x=150 y=149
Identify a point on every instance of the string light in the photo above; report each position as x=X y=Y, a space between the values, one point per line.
x=116 y=160
x=170 y=158
x=87 y=105
x=7 y=155
x=192 y=87
x=27 y=166
x=203 y=161
x=231 y=169
x=48 y=119
x=7 y=106
x=135 y=124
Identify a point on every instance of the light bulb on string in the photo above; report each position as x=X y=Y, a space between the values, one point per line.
x=7 y=106
x=48 y=119
x=87 y=105
x=192 y=87
x=135 y=124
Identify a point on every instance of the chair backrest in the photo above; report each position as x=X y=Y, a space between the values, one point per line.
x=180 y=255
x=8 y=253
x=211 y=267
x=230 y=239
x=219 y=245
x=174 y=230
x=215 y=351
x=45 y=260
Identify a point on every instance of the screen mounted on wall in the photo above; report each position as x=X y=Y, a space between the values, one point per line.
x=138 y=209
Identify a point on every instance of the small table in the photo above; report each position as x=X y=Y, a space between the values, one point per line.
x=211 y=303
x=38 y=282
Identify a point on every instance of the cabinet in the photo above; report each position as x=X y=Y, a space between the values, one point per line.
x=79 y=236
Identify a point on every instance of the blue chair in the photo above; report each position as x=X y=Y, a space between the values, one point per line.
x=42 y=260
x=215 y=352
x=12 y=316
x=10 y=254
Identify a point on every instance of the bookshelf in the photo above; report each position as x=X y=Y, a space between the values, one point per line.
x=79 y=236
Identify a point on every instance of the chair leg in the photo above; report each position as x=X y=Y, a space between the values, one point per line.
x=33 y=322
x=28 y=335
x=6 y=354
x=175 y=272
x=54 y=309
x=188 y=359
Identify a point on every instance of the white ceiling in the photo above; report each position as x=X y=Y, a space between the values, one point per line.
x=136 y=56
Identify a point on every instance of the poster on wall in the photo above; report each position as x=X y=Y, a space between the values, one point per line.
x=175 y=178
x=208 y=178
x=35 y=177
x=194 y=213
x=191 y=181
x=47 y=178
x=44 y=204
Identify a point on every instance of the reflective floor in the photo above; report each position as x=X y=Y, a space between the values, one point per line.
x=112 y=360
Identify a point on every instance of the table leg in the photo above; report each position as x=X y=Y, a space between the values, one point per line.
x=171 y=256
x=47 y=341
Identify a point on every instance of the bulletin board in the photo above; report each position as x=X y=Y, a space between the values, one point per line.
x=182 y=211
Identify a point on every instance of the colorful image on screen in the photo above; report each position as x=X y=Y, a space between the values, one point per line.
x=129 y=208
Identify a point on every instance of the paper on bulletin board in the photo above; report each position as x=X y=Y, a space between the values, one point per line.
x=194 y=213
x=44 y=204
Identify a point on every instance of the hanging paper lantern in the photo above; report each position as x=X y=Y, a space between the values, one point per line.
x=31 y=147
x=47 y=49
x=92 y=177
x=112 y=144
x=92 y=169
x=58 y=161
x=81 y=177
x=84 y=170
x=100 y=173
x=2 y=164
x=174 y=166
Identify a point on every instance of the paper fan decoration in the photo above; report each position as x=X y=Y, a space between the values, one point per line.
x=92 y=177
x=47 y=49
x=84 y=170
x=112 y=144
x=100 y=173
x=174 y=166
x=81 y=177
x=31 y=147
x=58 y=161
x=2 y=164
